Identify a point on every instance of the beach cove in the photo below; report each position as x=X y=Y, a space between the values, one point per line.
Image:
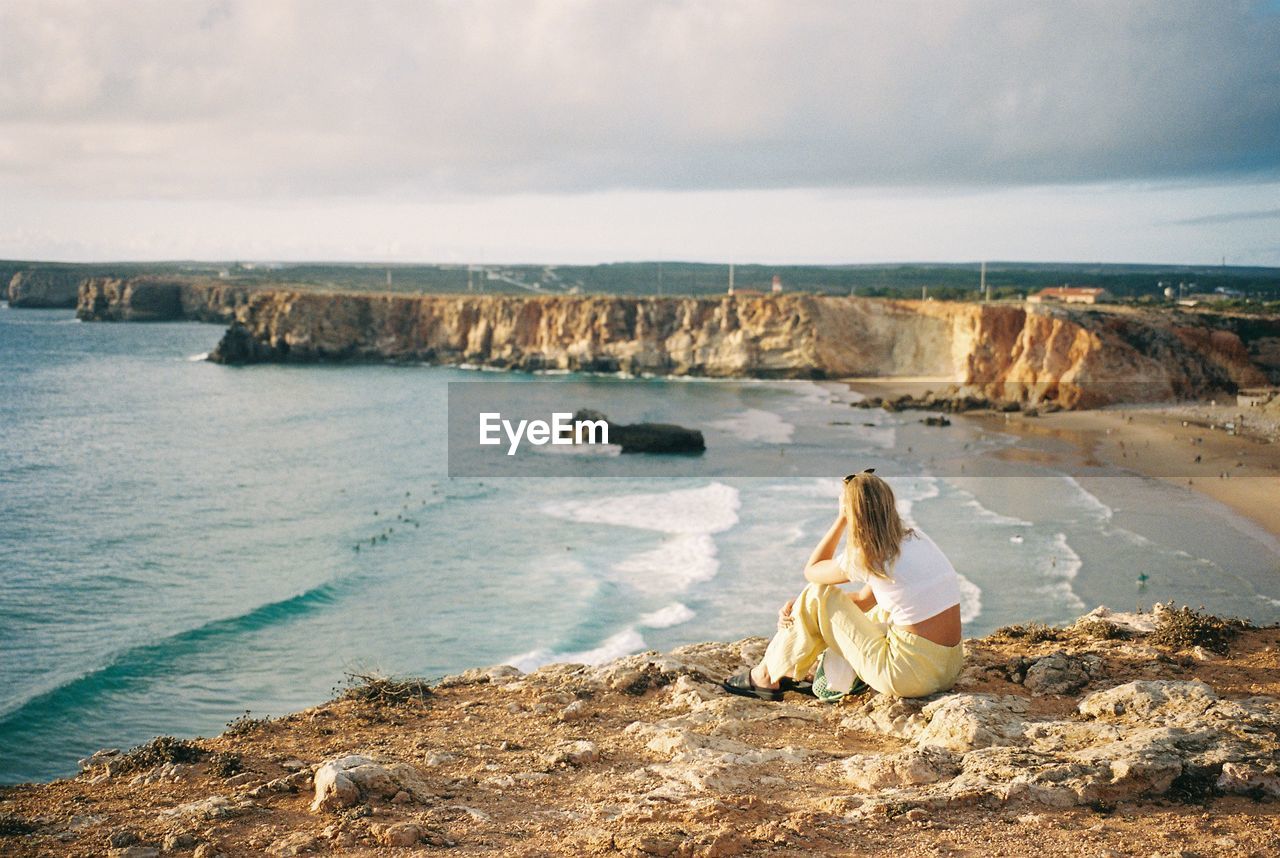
x=307 y=501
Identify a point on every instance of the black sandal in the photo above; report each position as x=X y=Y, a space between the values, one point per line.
x=744 y=686
x=799 y=686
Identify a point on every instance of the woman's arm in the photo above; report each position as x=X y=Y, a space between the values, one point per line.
x=821 y=568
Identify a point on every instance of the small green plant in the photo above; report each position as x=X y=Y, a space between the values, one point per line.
x=157 y=752
x=1102 y=630
x=224 y=764
x=244 y=725
x=15 y=826
x=1031 y=632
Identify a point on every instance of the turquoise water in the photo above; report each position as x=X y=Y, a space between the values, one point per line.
x=177 y=539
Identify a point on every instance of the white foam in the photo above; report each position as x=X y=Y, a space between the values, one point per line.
x=826 y=488
x=1089 y=501
x=606 y=450
x=678 y=563
x=623 y=643
x=755 y=424
x=1061 y=568
x=970 y=599
x=990 y=516
x=709 y=509
x=664 y=618
x=199 y=357
x=908 y=490
x=911 y=490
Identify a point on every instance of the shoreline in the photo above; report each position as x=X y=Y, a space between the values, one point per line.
x=1240 y=469
x=1183 y=445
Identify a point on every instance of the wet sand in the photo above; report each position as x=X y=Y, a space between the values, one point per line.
x=1184 y=445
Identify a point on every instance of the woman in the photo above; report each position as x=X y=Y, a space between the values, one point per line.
x=900 y=632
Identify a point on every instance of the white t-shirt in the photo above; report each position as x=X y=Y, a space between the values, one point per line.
x=921 y=584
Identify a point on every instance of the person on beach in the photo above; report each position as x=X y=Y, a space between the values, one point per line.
x=900 y=633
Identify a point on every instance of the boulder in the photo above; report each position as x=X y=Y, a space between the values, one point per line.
x=345 y=781
x=910 y=767
x=648 y=437
x=1059 y=673
x=963 y=722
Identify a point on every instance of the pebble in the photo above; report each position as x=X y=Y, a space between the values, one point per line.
x=575 y=711
x=398 y=834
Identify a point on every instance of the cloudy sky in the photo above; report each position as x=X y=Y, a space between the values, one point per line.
x=566 y=131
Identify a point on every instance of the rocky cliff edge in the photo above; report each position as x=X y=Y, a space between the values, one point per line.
x=1158 y=733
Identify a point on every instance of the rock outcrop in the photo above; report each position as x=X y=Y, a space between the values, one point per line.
x=994 y=352
x=44 y=288
x=647 y=755
x=158 y=299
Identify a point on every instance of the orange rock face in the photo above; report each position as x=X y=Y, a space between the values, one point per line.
x=1025 y=353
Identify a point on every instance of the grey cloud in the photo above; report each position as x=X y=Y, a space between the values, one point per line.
x=242 y=99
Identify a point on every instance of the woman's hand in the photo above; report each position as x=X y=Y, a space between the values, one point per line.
x=784 y=615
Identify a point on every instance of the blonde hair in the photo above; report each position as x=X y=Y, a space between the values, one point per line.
x=875 y=528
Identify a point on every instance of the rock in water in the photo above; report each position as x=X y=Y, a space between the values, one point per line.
x=239 y=346
x=657 y=438
x=647 y=437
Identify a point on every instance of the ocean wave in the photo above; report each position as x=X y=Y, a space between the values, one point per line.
x=970 y=599
x=755 y=424
x=1088 y=500
x=199 y=357
x=664 y=618
x=913 y=490
x=139 y=663
x=674 y=566
x=990 y=516
x=1061 y=568
x=625 y=642
x=709 y=509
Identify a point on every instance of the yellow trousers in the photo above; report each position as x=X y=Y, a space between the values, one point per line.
x=889 y=659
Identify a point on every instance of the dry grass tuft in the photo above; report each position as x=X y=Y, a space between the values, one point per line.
x=385 y=690
x=1184 y=628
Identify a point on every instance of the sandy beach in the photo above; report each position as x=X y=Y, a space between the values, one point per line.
x=1230 y=453
x=1187 y=445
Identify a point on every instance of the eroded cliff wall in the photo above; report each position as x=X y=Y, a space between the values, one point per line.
x=155 y=299
x=43 y=288
x=1002 y=352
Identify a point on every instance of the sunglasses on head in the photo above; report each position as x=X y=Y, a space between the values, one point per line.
x=867 y=471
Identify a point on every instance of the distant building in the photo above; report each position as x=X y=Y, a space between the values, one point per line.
x=1257 y=396
x=777 y=283
x=1070 y=295
x=737 y=292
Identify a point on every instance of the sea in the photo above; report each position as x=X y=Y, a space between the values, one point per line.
x=182 y=543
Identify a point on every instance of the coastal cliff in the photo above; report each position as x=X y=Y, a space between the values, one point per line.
x=44 y=288
x=1027 y=354
x=1153 y=731
x=158 y=299
x=997 y=352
